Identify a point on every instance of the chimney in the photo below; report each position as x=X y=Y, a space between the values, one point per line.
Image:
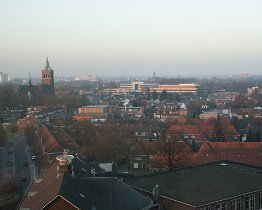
x=64 y=163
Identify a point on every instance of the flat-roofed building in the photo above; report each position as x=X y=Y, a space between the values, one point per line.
x=96 y=111
x=180 y=88
x=142 y=87
x=219 y=185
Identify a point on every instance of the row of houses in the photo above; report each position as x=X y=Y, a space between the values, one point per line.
x=155 y=110
x=215 y=185
x=148 y=157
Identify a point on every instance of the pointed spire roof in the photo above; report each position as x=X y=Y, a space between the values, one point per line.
x=30 y=81
x=47 y=63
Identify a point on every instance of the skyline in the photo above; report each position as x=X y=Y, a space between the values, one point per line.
x=126 y=38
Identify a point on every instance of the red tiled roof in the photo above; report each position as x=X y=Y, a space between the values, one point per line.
x=29 y=121
x=82 y=118
x=57 y=141
x=203 y=128
x=241 y=152
x=49 y=142
x=45 y=191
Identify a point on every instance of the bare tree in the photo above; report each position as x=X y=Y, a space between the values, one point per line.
x=219 y=132
x=109 y=145
x=172 y=153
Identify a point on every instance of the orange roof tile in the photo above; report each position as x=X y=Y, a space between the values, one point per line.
x=241 y=152
x=47 y=187
x=82 y=118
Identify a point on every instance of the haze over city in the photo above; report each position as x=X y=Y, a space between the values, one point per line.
x=131 y=37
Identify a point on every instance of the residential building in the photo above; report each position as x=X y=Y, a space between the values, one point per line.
x=28 y=122
x=249 y=153
x=152 y=156
x=171 y=111
x=54 y=142
x=71 y=184
x=130 y=111
x=200 y=131
x=96 y=111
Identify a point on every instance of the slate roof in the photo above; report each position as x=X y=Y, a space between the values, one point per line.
x=104 y=193
x=83 y=190
x=203 y=184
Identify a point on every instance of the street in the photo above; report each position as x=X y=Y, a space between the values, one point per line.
x=15 y=161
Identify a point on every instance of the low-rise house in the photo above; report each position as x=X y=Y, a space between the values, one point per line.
x=131 y=112
x=28 y=122
x=149 y=112
x=97 y=111
x=240 y=152
x=80 y=118
x=46 y=115
x=147 y=132
x=200 y=131
x=171 y=111
x=72 y=186
x=219 y=185
x=54 y=141
x=152 y=156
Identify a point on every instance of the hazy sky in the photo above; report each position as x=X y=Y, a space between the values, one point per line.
x=131 y=37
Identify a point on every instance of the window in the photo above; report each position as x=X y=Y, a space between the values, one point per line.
x=235 y=204
x=221 y=206
x=135 y=165
x=260 y=200
x=250 y=202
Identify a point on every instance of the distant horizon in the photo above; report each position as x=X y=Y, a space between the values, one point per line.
x=145 y=76
x=136 y=37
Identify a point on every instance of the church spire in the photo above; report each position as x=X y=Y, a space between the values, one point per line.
x=30 y=81
x=47 y=62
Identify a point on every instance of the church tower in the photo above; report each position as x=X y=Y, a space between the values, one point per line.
x=48 y=77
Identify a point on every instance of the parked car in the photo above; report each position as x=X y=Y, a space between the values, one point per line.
x=34 y=157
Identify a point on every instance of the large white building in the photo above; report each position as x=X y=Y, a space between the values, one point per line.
x=142 y=87
x=5 y=77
